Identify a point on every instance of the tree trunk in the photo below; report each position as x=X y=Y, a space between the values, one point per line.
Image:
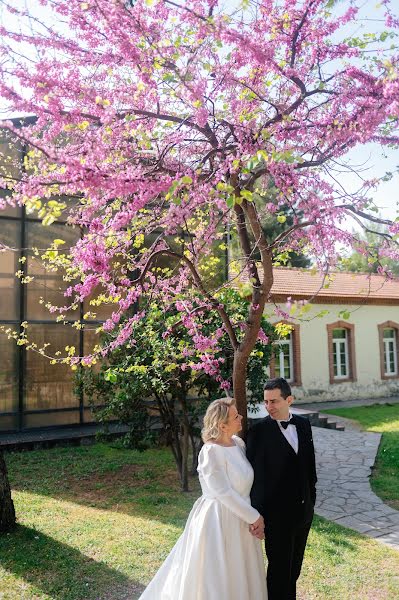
x=177 y=451
x=185 y=439
x=171 y=425
x=240 y=387
x=260 y=293
x=7 y=511
x=185 y=446
x=196 y=447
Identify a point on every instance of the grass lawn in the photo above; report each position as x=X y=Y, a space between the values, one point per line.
x=383 y=418
x=96 y=522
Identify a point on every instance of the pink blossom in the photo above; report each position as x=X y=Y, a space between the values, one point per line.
x=159 y=147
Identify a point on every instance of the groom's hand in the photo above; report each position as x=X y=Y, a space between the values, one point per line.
x=258 y=528
x=260 y=535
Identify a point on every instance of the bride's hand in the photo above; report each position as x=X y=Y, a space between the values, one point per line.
x=258 y=528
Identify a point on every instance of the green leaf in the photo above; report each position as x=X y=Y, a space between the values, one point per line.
x=344 y=314
x=110 y=376
x=247 y=195
x=230 y=201
x=48 y=220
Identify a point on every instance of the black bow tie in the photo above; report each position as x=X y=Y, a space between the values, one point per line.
x=284 y=424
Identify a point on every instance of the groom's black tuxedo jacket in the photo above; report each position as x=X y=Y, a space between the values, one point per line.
x=284 y=487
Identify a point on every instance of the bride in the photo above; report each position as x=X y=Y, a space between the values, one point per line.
x=218 y=556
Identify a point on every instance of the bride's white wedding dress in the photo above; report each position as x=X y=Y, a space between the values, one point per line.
x=216 y=557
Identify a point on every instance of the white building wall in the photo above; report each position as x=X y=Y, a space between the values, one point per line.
x=314 y=353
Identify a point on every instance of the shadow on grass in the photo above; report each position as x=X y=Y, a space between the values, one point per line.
x=108 y=478
x=59 y=570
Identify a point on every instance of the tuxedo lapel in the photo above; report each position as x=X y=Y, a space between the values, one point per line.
x=280 y=435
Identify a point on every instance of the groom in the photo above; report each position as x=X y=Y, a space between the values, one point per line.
x=280 y=449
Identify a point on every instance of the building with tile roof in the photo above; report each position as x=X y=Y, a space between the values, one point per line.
x=344 y=341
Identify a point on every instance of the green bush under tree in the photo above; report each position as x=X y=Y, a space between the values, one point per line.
x=154 y=386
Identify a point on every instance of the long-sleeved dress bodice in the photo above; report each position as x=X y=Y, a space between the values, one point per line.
x=226 y=476
x=216 y=557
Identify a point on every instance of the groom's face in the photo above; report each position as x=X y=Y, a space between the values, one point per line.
x=277 y=406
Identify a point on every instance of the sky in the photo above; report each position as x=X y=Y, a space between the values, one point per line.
x=372 y=159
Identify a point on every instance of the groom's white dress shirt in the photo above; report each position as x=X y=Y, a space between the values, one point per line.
x=290 y=434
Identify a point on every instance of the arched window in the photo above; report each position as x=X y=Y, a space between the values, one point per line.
x=388 y=334
x=286 y=359
x=341 y=351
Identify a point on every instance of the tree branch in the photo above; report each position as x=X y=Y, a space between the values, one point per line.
x=198 y=282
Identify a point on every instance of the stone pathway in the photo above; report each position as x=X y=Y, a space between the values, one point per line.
x=344 y=461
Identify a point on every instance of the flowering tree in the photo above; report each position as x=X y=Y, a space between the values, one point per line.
x=152 y=377
x=169 y=121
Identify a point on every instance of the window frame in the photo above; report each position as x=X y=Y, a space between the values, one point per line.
x=350 y=351
x=295 y=355
x=337 y=350
x=381 y=329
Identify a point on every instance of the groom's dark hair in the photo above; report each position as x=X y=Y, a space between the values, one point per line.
x=279 y=383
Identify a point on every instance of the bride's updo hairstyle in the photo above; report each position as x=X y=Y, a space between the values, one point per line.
x=216 y=414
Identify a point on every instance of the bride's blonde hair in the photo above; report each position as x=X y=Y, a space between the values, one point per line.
x=216 y=414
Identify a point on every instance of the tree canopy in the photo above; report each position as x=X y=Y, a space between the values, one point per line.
x=157 y=123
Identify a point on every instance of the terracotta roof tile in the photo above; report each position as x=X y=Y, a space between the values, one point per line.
x=302 y=283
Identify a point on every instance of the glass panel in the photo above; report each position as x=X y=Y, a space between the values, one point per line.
x=88 y=416
x=339 y=333
x=90 y=340
x=70 y=203
x=9 y=211
x=385 y=359
x=49 y=419
x=389 y=333
x=283 y=359
x=278 y=353
x=9 y=265
x=8 y=374
x=10 y=155
x=50 y=386
x=335 y=360
x=343 y=359
x=102 y=312
x=287 y=369
x=9 y=423
x=390 y=366
x=340 y=359
x=47 y=284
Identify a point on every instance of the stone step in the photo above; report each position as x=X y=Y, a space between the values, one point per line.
x=318 y=420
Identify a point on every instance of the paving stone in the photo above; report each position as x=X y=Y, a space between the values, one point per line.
x=379 y=533
x=344 y=460
x=357 y=525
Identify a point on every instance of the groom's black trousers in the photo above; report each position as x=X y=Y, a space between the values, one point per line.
x=285 y=546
